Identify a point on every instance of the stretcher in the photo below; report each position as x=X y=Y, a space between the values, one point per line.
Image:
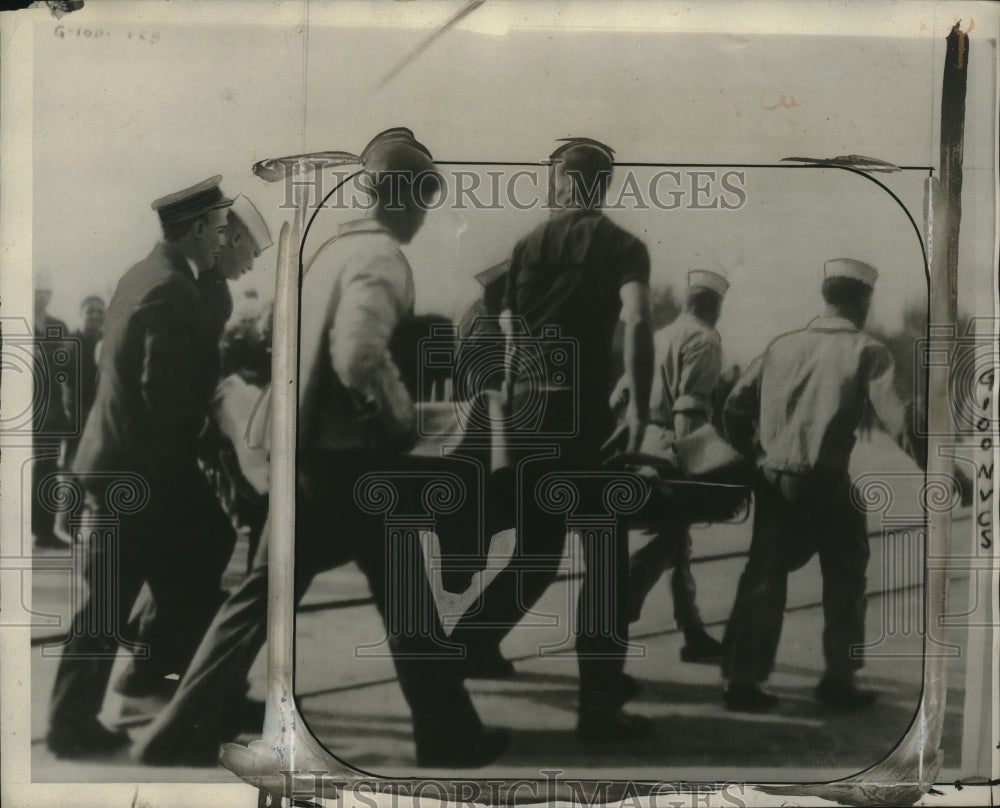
x=696 y=479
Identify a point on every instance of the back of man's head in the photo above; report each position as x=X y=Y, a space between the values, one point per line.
x=841 y=291
x=704 y=304
x=582 y=170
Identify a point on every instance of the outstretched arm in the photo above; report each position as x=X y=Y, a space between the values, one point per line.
x=886 y=404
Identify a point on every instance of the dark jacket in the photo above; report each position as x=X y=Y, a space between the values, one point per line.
x=153 y=388
x=217 y=308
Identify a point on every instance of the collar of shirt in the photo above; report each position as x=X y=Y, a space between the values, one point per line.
x=363 y=226
x=825 y=323
x=194 y=267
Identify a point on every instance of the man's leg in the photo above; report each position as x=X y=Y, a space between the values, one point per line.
x=113 y=572
x=196 y=721
x=646 y=565
x=602 y=640
x=538 y=551
x=751 y=639
x=699 y=645
x=194 y=544
x=205 y=710
x=843 y=556
x=446 y=728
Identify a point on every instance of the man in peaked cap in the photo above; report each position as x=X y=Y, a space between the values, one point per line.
x=805 y=397
x=687 y=369
x=247 y=235
x=355 y=417
x=151 y=402
x=580 y=274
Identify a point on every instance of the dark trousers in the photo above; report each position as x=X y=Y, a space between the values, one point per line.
x=668 y=548
x=331 y=530
x=795 y=517
x=601 y=625
x=160 y=617
x=167 y=546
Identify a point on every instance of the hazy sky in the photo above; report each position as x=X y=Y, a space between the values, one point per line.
x=120 y=120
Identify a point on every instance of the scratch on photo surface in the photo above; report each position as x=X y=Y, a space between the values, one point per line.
x=471 y=6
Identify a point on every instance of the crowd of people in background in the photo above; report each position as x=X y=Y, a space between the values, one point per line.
x=160 y=369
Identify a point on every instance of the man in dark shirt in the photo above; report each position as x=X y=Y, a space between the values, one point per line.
x=570 y=281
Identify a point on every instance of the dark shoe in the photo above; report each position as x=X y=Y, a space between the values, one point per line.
x=749 y=699
x=845 y=696
x=50 y=541
x=626 y=688
x=488 y=664
x=135 y=685
x=701 y=648
x=611 y=725
x=466 y=753
x=85 y=741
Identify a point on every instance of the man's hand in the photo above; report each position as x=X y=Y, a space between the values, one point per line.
x=620 y=395
x=630 y=430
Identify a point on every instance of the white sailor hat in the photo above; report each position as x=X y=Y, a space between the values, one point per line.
x=706 y=279
x=244 y=210
x=850 y=268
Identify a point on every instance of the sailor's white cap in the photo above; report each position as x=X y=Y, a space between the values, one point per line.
x=850 y=268
x=244 y=210
x=706 y=279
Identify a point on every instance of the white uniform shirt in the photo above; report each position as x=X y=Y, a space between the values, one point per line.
x=809 y=392
x=355 y=291
x=688 y=365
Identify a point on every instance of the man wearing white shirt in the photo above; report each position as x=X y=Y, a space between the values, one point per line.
x=795 y=411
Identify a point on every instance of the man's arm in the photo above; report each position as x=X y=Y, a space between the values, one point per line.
x=371 y=304
x=742 y=409
x=885 y=402
x=638 y=359
x=701 y=367
x=172 y=380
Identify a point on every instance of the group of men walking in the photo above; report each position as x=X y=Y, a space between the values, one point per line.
x=793 y=413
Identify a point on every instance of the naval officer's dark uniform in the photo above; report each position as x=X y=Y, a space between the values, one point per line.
x=137 y=460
